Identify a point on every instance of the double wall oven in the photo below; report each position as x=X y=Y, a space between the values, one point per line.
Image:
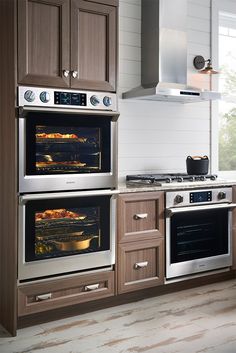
x=67 y=175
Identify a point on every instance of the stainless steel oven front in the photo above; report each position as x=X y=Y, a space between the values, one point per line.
x=63 y=233
x=67 y=140
x=198 y=231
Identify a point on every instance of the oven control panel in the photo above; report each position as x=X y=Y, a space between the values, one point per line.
x=200 y=196
x=182 y=198
x=49 y=97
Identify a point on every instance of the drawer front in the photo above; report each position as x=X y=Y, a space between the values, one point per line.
x=140 y=266
x=140 y=216
x=37 y=297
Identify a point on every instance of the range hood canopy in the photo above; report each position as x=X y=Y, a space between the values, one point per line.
x=164 y=55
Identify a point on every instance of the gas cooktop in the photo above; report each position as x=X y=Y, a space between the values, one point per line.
x=160 y=179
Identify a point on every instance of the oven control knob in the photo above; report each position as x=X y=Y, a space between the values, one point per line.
x=107 y=101
x=221 y=195
x=29 y=96
x=179 y=199
x=94 y=100
x=44 y=97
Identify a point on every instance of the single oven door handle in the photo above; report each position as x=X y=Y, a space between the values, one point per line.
x=58 y=195
x=24 y=111
x=172 y=211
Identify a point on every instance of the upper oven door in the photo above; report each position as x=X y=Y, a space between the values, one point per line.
x=65 y=151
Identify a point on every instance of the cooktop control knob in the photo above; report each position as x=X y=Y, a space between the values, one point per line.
x=44 y=97
x=179 y=199
x=107 y=101
x=221 y=195
x=94 y=100
x=29 y=96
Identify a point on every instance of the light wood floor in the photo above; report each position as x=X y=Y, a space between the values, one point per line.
x=199 y=320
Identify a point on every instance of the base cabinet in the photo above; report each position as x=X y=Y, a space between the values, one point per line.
x=53 y=294
x=140 y=255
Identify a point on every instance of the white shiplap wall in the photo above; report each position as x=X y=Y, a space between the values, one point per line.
x=157 y=136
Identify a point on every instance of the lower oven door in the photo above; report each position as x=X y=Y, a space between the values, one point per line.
x=61 y=233
x=198 y=239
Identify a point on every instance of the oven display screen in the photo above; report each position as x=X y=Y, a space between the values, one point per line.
x=203 y=196
x=69 y=98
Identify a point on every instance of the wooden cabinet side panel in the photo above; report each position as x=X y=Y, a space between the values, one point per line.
x=8 y=188
x=43 y=42
x=93 y=45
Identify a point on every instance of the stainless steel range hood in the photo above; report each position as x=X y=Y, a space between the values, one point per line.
x=164 y=55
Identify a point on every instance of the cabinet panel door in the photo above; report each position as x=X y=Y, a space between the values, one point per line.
x=38 y=297
x=140 y=265
x=140 y=216
x=93 y=45
x=43 y=42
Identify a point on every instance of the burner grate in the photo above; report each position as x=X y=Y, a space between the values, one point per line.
x=159 y=179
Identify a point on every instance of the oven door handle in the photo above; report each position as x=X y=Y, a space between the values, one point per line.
x=30 y=197
x=24 y=111
x=172 y=211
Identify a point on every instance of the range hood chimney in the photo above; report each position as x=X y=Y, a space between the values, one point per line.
x=164 y=55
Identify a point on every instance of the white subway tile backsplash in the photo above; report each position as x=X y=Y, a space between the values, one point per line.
x=130 y=24
x=130 y=38
x=198 y=24
x=194 y=10
x=205 y=3
x=202 y=38
x=130 y=52
x=154 y=136
x=130 y=10
x=130 y=67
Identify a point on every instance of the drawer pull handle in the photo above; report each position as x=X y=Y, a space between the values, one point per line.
x=138 y=265
x=91 y=287
x=140 y=215
x=40 y=298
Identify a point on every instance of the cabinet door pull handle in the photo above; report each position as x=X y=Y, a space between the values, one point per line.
x=74 y=74
x=138 y=265
x=40 y=298
x=66 y=73
x=140 y=215
x=91 y=287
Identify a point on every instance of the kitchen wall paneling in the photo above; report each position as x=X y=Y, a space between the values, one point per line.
x=158 y=136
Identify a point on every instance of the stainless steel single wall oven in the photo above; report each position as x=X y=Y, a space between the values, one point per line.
x=67 y=140
x=198 y=231
x=61 y=233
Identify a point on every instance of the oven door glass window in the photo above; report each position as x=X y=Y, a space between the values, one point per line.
x=62 y=227
x=62 y=144
x=200 y=234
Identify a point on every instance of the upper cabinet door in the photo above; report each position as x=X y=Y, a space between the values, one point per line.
x=93 y=45
x=44 y=42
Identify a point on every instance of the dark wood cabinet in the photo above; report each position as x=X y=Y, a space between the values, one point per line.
x=43 y=42
x=57 y=293
x=63 y=43
x=140 y=265
x=141 y=216
x=140 y=255
x=93 y=45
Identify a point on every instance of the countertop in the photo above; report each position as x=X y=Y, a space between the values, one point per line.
x=123 y=188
